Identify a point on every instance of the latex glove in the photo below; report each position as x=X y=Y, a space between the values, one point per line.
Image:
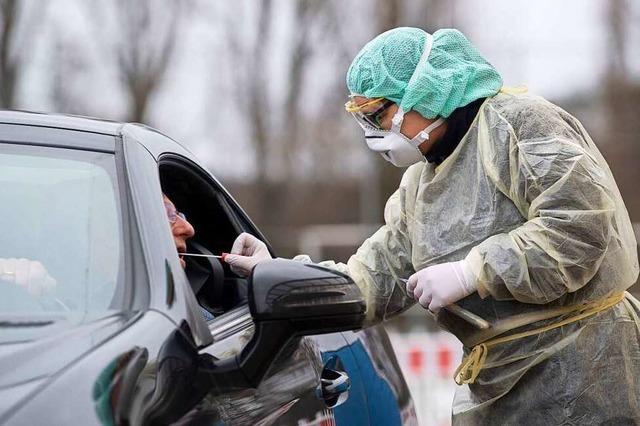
x=29 y=274
x=438 y=286
x=247 y=252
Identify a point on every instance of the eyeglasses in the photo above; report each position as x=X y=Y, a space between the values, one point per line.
x=173 y=214
x=371 y=118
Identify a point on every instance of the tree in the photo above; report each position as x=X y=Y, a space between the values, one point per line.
x=621 y=102
x=141 y=38
x=68 y=93
x=14 y=44
x=274 y=118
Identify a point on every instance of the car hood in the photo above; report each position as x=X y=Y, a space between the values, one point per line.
x=27 y=366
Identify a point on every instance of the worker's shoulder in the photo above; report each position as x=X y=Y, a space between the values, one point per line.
x=511 y=105
x=531 y=116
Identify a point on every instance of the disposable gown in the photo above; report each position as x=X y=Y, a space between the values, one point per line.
x=530 y=202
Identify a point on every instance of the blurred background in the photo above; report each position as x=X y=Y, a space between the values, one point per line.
x=256 y=89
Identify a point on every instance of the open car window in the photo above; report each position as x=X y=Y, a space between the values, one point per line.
x=217 y=223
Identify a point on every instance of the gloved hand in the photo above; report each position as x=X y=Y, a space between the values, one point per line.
x=29 y=274
x=441 y=285
x=247 y=252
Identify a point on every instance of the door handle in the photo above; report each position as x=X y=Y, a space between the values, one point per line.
x=339 y=382
x=334 y=384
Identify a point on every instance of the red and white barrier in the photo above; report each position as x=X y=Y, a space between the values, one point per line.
x=428 y=361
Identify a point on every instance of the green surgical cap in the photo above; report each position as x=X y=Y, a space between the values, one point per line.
x=453 y=73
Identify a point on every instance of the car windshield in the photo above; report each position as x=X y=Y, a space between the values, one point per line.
x=61 y=253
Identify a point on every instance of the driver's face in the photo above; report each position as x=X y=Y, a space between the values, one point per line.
x=180 y=228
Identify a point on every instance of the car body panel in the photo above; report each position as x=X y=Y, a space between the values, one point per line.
x=61 y=121
x=295 y=375
x=28 y=366
x=170 y=291
x=74 y=394
x=57 y=137
x=155 y=142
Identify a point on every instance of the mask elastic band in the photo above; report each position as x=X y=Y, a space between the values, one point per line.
x=424 y=134
x=396 y=121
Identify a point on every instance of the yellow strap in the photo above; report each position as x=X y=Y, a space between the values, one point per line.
x=351 y=106
x=514 y=90
x=473 y=363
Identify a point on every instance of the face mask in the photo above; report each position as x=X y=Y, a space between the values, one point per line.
x=395 y=147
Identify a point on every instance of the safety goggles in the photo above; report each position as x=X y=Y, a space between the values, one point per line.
x=173 y=214
x=369 y=118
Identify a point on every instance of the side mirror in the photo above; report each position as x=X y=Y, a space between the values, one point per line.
x=287 y=300
x=312 y=298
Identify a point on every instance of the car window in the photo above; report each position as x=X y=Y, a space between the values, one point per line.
x=61 y=237
x=216 y=225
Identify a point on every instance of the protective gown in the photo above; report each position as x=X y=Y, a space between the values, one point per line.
x=530 y=202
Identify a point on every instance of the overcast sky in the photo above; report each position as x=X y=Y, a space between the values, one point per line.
x=556 y=48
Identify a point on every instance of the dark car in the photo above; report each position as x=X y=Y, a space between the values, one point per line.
x=121 y=338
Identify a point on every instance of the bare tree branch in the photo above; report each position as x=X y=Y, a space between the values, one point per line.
x=617 y=12
x=8 y=65
x=145 y=44
x=256 y=91
x=143 y=64
x=305 y=11
x=12 y=50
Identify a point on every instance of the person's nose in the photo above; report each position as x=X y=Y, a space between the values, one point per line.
x=183 y=228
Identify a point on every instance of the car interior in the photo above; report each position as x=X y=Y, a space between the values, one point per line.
x=216 y=226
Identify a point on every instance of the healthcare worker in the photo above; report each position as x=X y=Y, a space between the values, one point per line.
x=508 y=210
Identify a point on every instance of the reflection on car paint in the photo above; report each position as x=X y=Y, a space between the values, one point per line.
x=290 y=374
x=335 y=383
x=108 y=396
x=131 y=390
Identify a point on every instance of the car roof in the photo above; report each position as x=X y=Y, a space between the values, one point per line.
x=155 y=141
x=61 y=121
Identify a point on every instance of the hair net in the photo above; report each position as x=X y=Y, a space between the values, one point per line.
x=433 y=75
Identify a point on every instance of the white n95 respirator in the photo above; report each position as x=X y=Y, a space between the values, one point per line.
x=392 y=145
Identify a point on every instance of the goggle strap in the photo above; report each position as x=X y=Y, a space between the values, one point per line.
x=352 y=107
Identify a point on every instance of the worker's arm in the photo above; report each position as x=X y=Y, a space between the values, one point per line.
x=565 y=195
x=385 y=257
